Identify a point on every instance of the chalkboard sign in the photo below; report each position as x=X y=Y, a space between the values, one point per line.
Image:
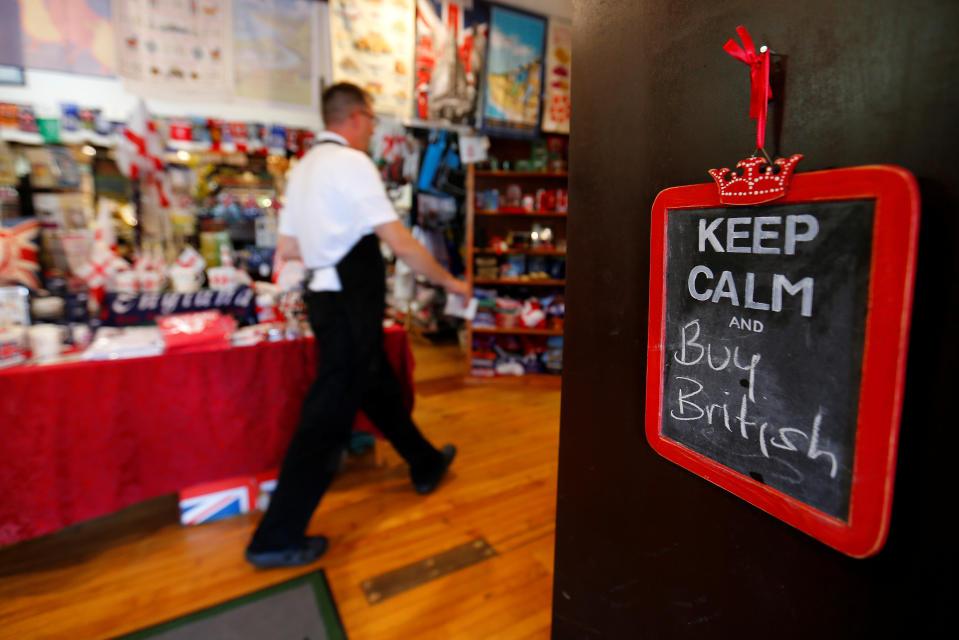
x=777 y=340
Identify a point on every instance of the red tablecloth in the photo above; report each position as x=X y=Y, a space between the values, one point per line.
x=80 y=440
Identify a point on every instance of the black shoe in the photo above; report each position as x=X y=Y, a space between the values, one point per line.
x=310 y=551
x=427 y=485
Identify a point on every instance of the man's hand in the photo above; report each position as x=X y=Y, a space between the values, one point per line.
x=460 y=288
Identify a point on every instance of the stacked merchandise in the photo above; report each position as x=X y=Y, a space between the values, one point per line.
x=99 y=243
x=87 y=125
x=498 y=354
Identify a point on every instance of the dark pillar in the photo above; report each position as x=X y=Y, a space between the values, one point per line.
x=645 y=549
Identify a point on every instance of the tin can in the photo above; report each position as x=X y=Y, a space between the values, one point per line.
x=492 y=200
x=541 y=199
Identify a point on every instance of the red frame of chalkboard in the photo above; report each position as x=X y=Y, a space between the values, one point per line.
x=892 y=272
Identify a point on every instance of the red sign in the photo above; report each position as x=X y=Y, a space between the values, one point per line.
x=777 y=345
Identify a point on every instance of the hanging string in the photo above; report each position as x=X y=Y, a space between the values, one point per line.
x=760 y=90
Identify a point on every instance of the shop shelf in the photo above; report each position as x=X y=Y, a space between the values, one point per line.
x=521 y=283
x=518 y=331
x=519 y=212
x=528 y=252
x=483 y=223
x=521 y=174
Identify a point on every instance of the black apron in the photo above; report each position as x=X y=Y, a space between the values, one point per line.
x=362 y=297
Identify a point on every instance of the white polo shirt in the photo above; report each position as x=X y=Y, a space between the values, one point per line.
x=334 y=197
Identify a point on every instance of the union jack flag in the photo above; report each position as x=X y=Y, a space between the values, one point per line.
x=216 y=500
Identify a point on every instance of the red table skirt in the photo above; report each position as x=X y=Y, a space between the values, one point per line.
x=80 y=440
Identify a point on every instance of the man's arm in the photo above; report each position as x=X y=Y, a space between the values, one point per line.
x=407 y=249
x=288 y=248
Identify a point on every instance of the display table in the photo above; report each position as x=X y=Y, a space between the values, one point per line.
x=83 y=439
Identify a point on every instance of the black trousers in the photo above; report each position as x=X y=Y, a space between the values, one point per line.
x=354 y=374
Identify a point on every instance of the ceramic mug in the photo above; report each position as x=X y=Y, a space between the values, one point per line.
x=45 y=341
x=222 y=278
x=185 y=280
x=151 y=281
x=125 y=282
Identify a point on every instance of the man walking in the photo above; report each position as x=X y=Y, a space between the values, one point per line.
x=335 y=214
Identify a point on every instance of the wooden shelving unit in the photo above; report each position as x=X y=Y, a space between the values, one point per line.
x=519 y=331
x=519 y=282
x=498 y=223
x=528 y=252
x=522 y=174
x=520 y=212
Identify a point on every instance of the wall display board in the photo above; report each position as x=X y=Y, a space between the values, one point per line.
x=777 y=342
x=513 y=73
x=372 y=46
x=273 y=50
x=556 y=99
x=173 y=50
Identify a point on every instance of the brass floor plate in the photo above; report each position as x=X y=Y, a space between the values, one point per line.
x=413 y=575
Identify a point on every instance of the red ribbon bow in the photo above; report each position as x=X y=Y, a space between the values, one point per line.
x=760 y=91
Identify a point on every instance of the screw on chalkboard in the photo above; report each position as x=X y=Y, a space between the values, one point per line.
x=777 y=97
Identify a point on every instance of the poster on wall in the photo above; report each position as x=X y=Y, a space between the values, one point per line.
x=273 y=42
x=74 y=36
x=372 y=46
x=171 y=49
x=450 y=49
x=11 y=45
x=556 y=100
x=514 y=72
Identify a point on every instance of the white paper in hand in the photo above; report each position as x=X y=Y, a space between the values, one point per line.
x=460 y=308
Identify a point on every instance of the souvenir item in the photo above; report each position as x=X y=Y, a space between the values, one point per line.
x=14 y=306
x=128 y=309
x=18 y=254
x=13 y=346
x=556 y=100
x=184 y=279
x=46 y=341
x=199 y=329
x=222 y=278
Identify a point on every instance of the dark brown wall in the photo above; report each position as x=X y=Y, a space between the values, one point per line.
x=645 y=549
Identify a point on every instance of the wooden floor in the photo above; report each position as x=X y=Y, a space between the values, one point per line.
x=139 y=567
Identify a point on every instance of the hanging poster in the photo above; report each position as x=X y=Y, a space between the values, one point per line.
x=11 y=46
x=170 y=49
x=372 y=46
x=556 y=101
x=450 y=48
x=273 y=50
x=74 y=36
x=514 y=73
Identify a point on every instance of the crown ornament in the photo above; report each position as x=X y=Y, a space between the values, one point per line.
x=758 y=181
